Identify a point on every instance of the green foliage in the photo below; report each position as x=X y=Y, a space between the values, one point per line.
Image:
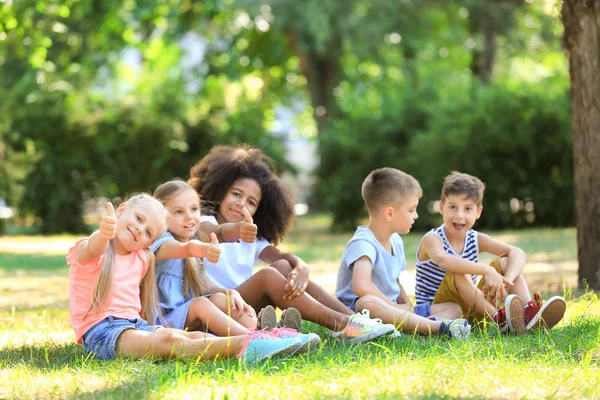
x=379 y=84
x=517 y=141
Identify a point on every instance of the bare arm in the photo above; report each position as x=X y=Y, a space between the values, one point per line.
x=516 y=257
x=403 y=297
x=97 y=244
x=297 y=279
x=432 y=248
x=362 y=282
x=230 y=231
x=172 y=248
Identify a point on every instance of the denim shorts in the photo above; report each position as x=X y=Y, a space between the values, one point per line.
x=101 y=339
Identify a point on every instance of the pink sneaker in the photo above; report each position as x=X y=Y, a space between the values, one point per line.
x=544 y=316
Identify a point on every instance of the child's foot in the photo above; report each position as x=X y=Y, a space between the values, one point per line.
x=544 y=316
x=511 y=317
x=309 y=340
x=455 y=329
x=514 y=316
x=395 y=335
x=267 y=319
x=260 y=345
x=290 y=318
x=361 y=328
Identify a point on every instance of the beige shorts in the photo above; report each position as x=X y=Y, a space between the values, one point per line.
x=448 y=293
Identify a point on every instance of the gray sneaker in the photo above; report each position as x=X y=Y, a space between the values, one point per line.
x=455 y=329
x=362 y=328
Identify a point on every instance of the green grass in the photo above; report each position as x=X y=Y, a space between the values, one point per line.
x=39 y=359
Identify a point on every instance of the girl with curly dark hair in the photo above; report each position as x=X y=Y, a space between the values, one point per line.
x=251 y=210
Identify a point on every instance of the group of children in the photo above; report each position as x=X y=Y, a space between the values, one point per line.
x=161 y=278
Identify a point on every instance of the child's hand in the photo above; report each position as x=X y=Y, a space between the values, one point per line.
x=297 y=281
x=495 y=286
x=248 y=229
x=213 y=253
x=236 y=302
x=108 y=226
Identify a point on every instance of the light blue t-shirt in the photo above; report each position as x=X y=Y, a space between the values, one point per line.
x=386 y=267
x=169 y=279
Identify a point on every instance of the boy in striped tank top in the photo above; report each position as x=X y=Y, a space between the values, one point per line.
x=447 y=267
x=368 y=277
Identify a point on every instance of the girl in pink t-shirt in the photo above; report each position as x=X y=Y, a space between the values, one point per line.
x=113 y=295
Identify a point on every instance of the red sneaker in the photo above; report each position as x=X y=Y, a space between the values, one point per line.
x=511 y=317
x=544 y=316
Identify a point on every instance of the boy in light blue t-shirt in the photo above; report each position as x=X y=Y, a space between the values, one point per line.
x=368 y=278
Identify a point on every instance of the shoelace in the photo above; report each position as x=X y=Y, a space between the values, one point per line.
x=261 y=334
x=536 y=302
x=284 y=331
x=365 y=317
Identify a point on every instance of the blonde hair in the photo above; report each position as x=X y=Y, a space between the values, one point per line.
x=461 y=183
x=192 y=267
x=388 y=186
x=148 y=291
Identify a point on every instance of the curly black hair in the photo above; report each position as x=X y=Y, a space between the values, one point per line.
x=214 y=174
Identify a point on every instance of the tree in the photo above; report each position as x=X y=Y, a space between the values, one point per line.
x=581 y=19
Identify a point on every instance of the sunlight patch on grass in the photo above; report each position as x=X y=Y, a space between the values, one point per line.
x=59 y=244
x=26 y=291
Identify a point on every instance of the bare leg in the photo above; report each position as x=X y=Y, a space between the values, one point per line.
x=315 y=290
x=399 y=315
x=220 y=300
x=266 y=287
x=170 y=343
x=472 y=295
x=203 y=312
x=519 y=286
x=446 y=311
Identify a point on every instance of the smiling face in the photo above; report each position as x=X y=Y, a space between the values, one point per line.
x=244 y=192
x=183 y=220
x=460 y=214
x=137 y=227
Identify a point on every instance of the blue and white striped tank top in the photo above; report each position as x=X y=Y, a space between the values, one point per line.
x=429 y=275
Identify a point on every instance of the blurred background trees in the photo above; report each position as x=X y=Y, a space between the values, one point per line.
x=111 y=97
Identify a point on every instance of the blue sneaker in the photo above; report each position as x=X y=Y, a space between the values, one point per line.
x=308 y=341
x=260 y=345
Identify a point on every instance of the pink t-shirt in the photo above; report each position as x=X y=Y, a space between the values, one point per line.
x=123 y=299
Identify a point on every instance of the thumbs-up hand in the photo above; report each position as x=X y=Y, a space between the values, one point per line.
x=248 y=229
x=213 y=253
x=108 y=225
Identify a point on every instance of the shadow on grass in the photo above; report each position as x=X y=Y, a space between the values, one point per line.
x=43 y=357
x=14 y=262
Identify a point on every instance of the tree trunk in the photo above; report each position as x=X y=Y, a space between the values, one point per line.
x=322 y=72
x=485 y=23
x=581 y=19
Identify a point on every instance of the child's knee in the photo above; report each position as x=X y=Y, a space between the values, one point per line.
x=218 y=299
x=197 y=306
x=503 y=264
x=370 y=302
x=283 y=266
x=269 y=274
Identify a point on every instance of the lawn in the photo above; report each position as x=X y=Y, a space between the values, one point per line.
x=39 y=359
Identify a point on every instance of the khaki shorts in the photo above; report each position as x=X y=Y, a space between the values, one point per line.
x=448 y=293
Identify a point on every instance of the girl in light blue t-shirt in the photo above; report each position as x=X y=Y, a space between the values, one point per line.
x=188 y=299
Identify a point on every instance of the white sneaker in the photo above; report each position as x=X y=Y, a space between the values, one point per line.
x=361 y=328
